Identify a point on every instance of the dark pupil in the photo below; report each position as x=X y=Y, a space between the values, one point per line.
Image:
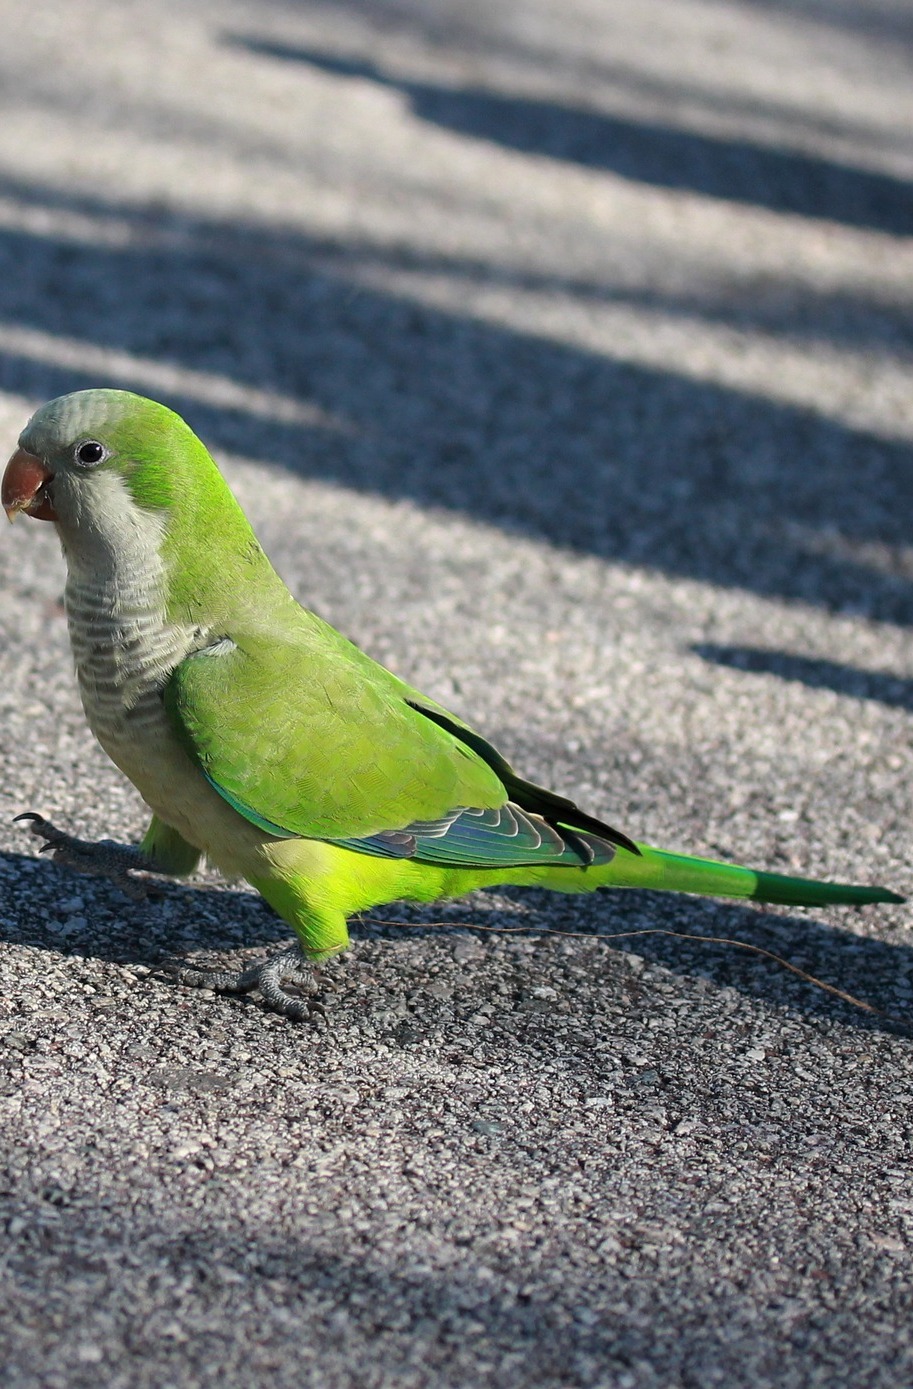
x=89 y=453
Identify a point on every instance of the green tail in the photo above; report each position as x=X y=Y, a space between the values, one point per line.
x=679 y=873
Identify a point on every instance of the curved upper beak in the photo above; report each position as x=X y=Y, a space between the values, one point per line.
x=24 y=487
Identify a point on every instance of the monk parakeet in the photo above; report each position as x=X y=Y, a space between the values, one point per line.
x=259 y=737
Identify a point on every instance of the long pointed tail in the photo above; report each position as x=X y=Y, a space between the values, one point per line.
x=657 y=869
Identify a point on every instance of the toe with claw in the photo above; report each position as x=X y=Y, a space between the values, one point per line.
x=269 y=978
x=103 y=858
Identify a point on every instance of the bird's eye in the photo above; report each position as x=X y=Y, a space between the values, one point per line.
x=90 y=453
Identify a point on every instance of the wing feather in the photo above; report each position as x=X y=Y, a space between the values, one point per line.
x=307 y=737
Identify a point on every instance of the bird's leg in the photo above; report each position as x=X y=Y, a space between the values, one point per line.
x=269 y=977
x=103 y=858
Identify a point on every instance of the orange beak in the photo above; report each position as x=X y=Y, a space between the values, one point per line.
x=24 y=487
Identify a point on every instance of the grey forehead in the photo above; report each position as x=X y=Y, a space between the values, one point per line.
x=68 y=418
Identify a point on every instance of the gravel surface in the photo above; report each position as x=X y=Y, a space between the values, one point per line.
x=561 y=354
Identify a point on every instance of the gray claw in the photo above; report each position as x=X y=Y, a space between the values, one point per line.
x=102 y=859
x=267 y=977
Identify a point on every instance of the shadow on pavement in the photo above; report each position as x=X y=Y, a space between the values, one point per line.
x=892 y=690
x=466 y=29
x=784 y=181
x=800 y=311
x=192 y=920
x=629 y=463
x=321 y=1291
x=890 y=22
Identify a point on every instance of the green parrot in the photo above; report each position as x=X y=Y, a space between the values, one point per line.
x=261 y=738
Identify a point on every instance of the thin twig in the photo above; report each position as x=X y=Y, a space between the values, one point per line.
x=657 y=931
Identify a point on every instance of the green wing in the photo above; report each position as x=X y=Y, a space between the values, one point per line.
x=309 y=737
x=306 y=736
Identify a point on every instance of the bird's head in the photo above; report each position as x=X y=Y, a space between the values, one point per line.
x=81 y=450
x=129 y=484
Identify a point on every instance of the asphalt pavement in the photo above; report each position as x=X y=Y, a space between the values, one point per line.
x=561 y=355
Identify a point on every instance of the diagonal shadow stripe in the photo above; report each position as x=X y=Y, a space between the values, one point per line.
x=633 y=464
x=892 y=690
x=738 y=170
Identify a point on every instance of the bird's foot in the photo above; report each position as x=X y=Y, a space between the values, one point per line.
x=103 y=858
x=270 y=977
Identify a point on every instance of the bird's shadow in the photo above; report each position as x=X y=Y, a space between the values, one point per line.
x=690 y=937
